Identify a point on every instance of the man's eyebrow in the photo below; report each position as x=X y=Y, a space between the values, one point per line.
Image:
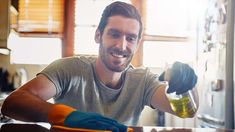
x=113 y=30
x=132 y=35
x=117 y=31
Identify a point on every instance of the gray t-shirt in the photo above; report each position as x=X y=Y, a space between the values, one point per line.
x=78 y=86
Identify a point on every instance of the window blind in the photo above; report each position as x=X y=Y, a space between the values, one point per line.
x=41 y=16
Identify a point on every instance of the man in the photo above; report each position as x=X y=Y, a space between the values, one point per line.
x=107 y=85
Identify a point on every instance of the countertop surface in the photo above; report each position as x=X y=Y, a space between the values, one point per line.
x=45 y=127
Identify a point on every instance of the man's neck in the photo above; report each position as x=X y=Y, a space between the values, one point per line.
x=109 y=78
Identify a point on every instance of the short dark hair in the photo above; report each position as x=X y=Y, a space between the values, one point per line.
x=119 y=8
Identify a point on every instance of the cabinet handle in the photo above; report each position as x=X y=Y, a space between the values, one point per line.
x=211 y=120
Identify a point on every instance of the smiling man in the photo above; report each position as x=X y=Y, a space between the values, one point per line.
x=118 y=42
x=103 y=92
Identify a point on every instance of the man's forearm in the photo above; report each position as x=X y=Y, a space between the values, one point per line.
x=21 y=105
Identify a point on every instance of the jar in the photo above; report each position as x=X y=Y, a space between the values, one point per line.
x=183 y=105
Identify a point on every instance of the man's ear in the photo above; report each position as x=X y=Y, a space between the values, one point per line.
x=97 y=36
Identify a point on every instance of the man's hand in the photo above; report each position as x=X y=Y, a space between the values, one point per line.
x=66 y=116
x=181 y=78
x=94 y=121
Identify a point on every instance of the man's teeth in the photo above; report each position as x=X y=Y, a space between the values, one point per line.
x=117 y=55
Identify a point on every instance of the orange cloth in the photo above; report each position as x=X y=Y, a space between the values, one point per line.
x=56 y=128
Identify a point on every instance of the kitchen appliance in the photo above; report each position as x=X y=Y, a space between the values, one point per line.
x=5 y=86
x=216 y=65
x=19 y=78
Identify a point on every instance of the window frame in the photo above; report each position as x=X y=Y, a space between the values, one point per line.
x=138 y=57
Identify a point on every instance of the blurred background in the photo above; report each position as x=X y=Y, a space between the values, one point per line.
x=33 y=33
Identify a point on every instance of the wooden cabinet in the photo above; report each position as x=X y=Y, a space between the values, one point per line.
x=4 y=22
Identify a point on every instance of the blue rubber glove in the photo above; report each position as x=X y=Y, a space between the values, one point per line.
x=63 y=115
x=90 y=120
x=182 y=78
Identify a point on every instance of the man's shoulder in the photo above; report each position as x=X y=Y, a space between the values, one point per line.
x=87 y=58
x=79 y=59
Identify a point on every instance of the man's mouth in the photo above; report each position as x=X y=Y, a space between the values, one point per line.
x=118 y=55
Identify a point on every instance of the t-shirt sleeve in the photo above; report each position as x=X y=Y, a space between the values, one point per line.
x=151 y=85
x=59 y=73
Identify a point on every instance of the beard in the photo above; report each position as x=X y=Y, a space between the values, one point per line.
x=113 y=65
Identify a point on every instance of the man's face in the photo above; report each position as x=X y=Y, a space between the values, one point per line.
x=118 y=42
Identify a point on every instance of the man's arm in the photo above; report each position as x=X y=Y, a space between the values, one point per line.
x=161 y=102
x=29 y=102
x=181 y=78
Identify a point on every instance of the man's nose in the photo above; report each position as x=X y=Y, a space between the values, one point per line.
x=122 y=43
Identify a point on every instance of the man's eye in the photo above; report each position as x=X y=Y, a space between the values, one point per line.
x=131 y=39
x=115 y=35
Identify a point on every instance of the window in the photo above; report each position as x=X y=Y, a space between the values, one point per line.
x=33 y=50
x=36 y=38
x=87 y=17
x=170 y=26
x=162 y=53
x=167 y=17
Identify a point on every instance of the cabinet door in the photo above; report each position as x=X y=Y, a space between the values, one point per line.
x=4 y=22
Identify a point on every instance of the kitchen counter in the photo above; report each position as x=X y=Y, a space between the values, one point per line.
x=44 y=127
